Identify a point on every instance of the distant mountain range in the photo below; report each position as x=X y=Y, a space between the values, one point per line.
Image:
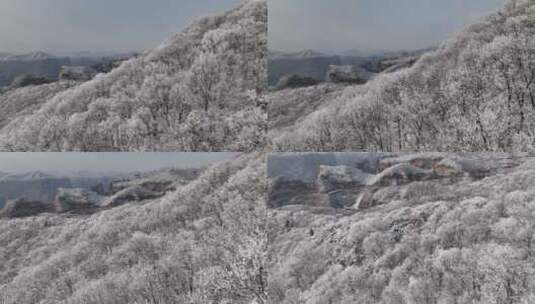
x=306 y=63
x=310 y=63
x=43 y=187
x=47 y=65
x=24 y=57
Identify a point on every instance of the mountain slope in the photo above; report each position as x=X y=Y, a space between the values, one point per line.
x=200 y=90
x=287 y=107
x=475 y=93
x=203 y=243
x=461 y=232
x=26 y=101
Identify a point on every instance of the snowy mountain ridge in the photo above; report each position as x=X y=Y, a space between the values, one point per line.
x=474 y=93
x=186 y=245
x=188 y=94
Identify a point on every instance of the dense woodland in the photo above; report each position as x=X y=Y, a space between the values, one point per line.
x=199 y=91
x=475 y=93
x=460 y=233
x=206 y=242
x=446 y=229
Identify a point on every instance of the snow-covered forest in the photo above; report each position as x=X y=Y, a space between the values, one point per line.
x=409 y=228
x=474 y=93
x=204 y=242
x=202 y=90
x=287 y=228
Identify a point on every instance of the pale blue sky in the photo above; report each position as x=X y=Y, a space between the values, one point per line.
x=105 y=162
x=97 y=25
x=341 y=25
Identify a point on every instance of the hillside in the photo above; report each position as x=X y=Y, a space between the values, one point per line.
x=474 y=93
x=287 y=107
x=389 y=228
x=199 y=91
x=187 y=246
x=26 y=101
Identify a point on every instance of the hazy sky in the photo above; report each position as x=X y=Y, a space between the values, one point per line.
x=104 y=162
x=341 y=25
x=97 y=25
